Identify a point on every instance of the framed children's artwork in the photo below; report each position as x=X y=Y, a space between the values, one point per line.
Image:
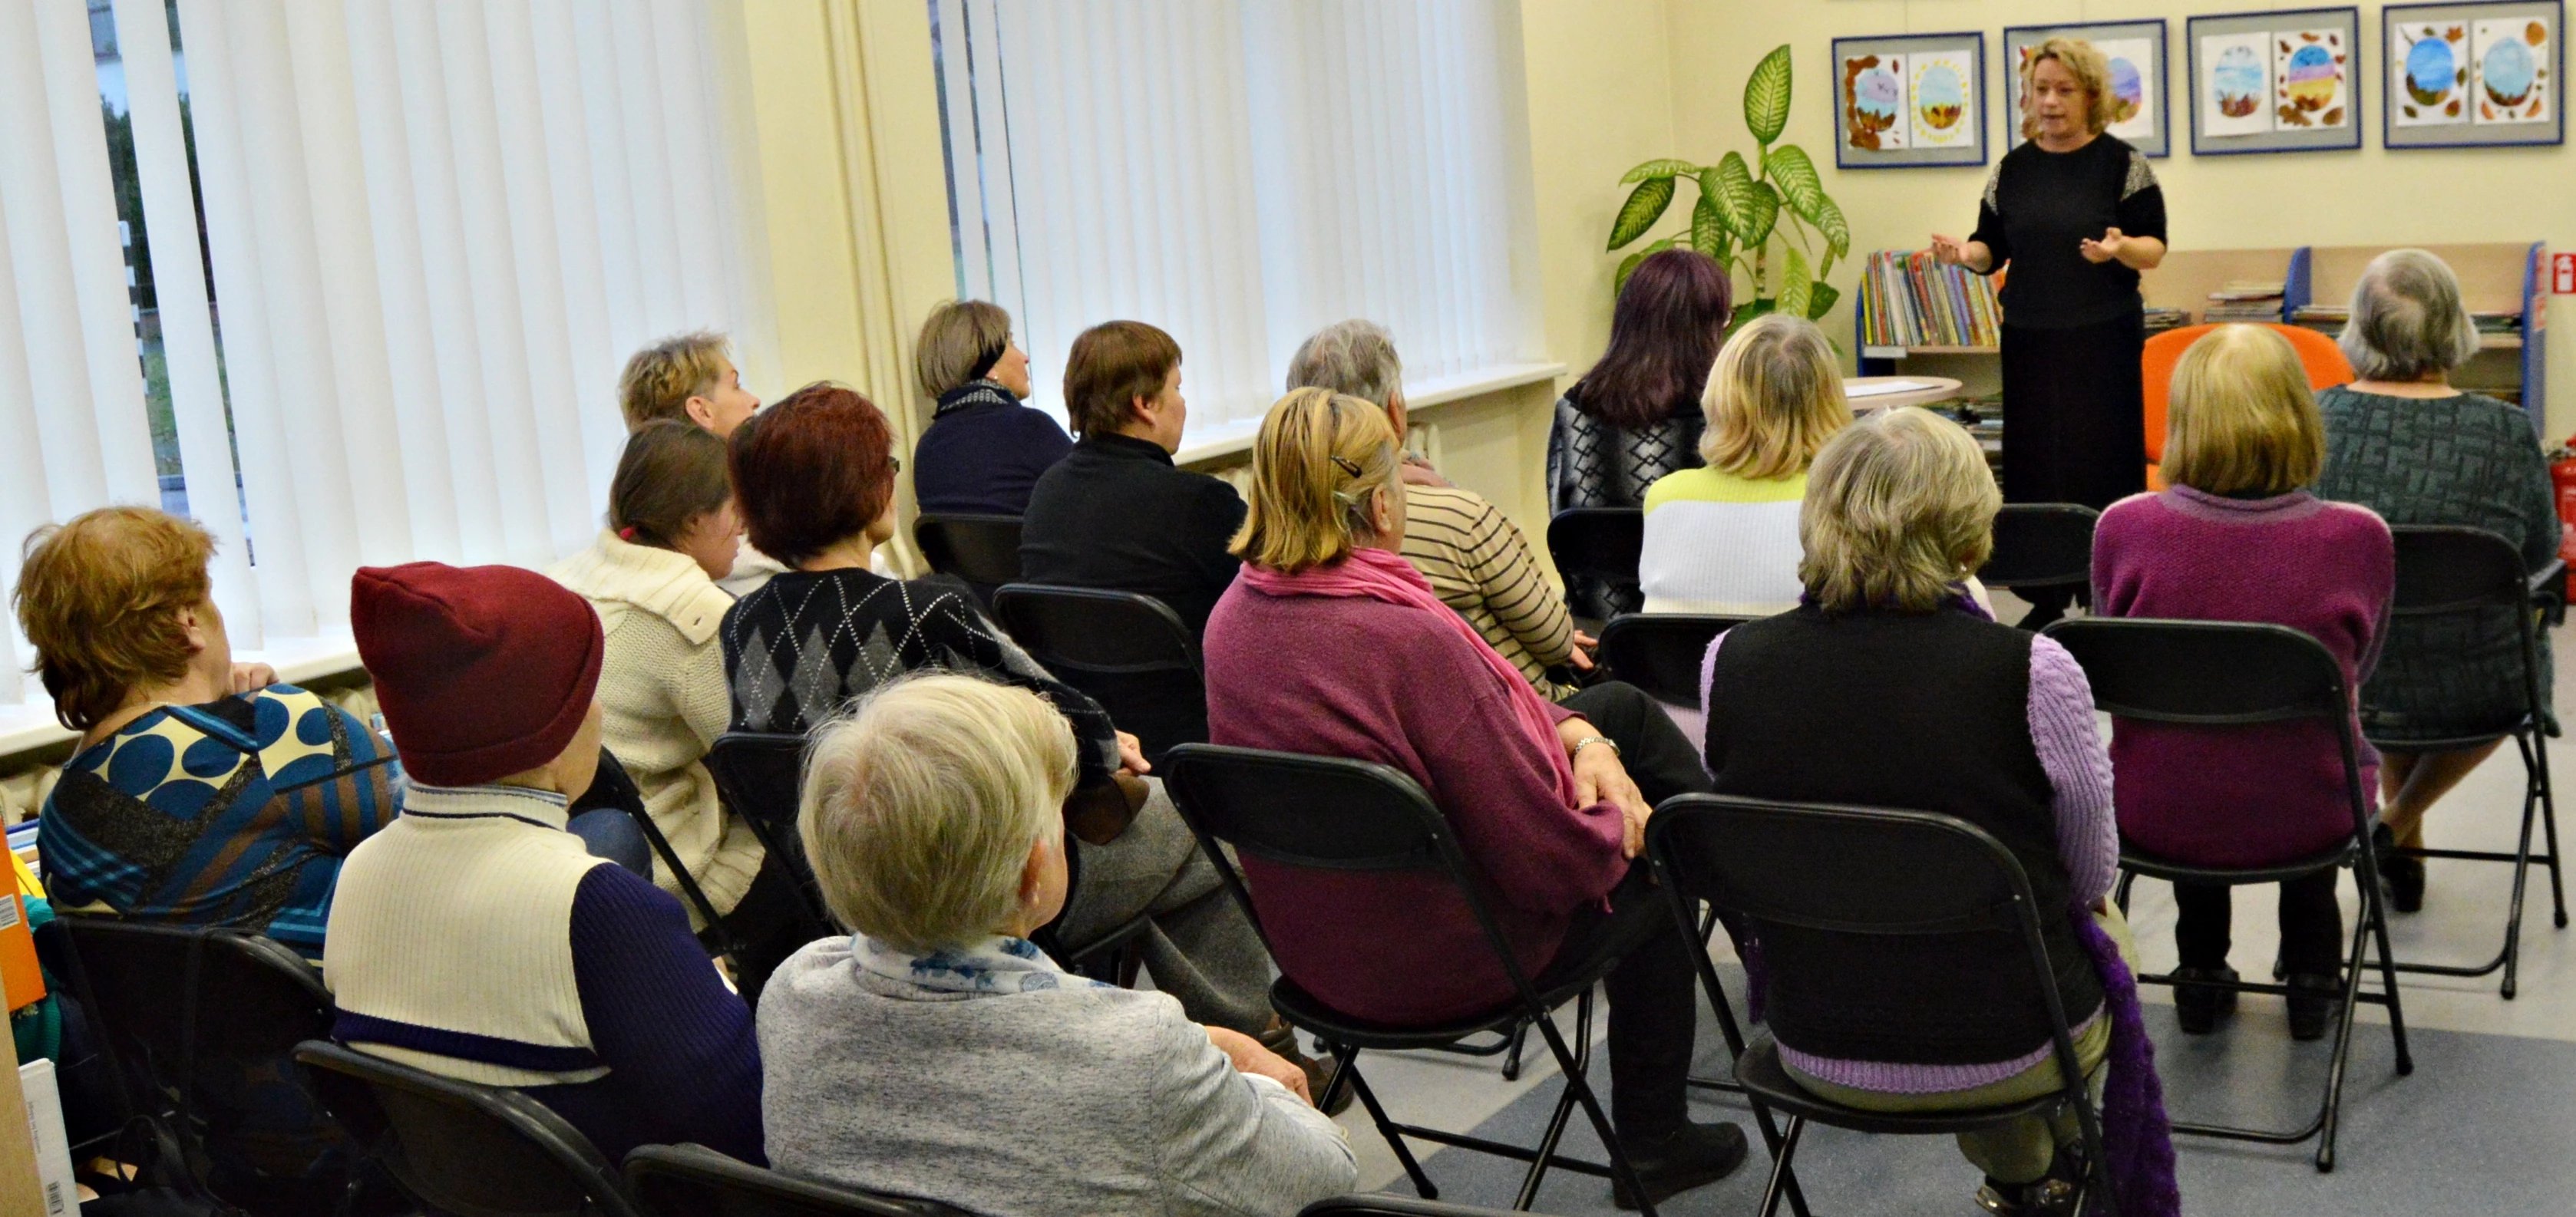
x=2472 y=75
x=2287 y=81
x=2136 y=54
x=1910 y=101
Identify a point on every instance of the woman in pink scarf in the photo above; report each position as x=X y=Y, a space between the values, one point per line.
x=1329 y=644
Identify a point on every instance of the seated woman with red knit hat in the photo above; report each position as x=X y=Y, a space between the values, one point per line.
x=1331 y=644
x=2237 y=537
x=475 y=937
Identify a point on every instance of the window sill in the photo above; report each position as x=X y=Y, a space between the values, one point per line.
x=1233 y=438
x=30 y=725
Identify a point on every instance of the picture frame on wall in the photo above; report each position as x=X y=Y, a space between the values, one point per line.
x=2140 y=77
x=2473 y=75
x=2289 y=80
x=1909 y=101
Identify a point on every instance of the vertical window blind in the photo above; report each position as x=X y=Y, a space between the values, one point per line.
x=1242 y=173
x=431 y=233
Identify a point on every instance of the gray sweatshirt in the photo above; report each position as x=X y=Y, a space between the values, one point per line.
x=1053 y=1101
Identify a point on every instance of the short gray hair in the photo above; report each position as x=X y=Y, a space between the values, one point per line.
x=2407 y=319
x=1355 y=357
x=1900 y=507
x=921 y=804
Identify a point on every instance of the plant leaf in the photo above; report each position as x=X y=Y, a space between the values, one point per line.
x=1766 y=96
x=1709 y=232
x=1627 y=267
x=1645 y=205
x=1797 y=285
x=1820 y=301
x=1733 y=189
x=1665 y=167
x=1763 y=215
x=1795 y=175
x=1837 y=230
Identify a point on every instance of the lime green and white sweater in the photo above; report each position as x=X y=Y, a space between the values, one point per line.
x=1719 y=543
x=664 y=700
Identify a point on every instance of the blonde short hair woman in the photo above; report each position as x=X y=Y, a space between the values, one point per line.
x=1724 y=538
x=1889 y=687
x=2090 y=71
x=2238 y=537
x=1330 y=644
x=929 y=812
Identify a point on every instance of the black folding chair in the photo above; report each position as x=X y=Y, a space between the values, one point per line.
x=761 y=775
x=1660 y=652
x=1129 y=652
x=694 y=1181
x=2449 y=571
x=1328 y=814
x=2042 y=547
x=982 y=550
x=1810 y=883
x=459 y=1148
x=1597 y=543
x=185 y=1013
x=2221 y=674
x=1376 y=1204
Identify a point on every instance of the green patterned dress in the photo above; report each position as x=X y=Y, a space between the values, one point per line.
x=2466 y=460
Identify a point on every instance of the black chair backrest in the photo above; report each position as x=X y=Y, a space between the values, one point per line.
x=1830 y=887
x=982 y=550
x=760 y=774
x=463 y=1149
x=1321 y=813
x=1601 y=542
x=694 y=1181
x=2041 y=545
x=1091 y=630
x=1660 y=652
x=173 y=1002
x=2204 y=673
x=2443 y=569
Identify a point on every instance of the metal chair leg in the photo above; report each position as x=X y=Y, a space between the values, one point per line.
x=1780 y=1166
x=2329 y=1116
x=1512 y=1053
x=1620 y=1170
x=1715 y=990
x=1346 y=1068
x=2549 y=824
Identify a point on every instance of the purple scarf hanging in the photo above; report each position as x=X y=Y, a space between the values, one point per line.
x=2137 y=1136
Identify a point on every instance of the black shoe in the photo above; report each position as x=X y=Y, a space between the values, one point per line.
x=1685 y=1158
x=2049 y=1197
x=2401 y=874
x=2314 y=1001
x=2197 y=1005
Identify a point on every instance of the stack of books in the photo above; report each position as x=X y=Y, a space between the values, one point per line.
x=2161 y=319
x=2498 y=323
x=1911 y=300
x=2323 y=318
x=2245 y=300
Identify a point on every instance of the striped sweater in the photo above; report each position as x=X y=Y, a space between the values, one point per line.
x=1719 y=543
x=478 y=940
x=1479 y=564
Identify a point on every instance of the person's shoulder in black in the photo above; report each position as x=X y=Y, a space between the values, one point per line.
x=983 y=455
x=1116 y=513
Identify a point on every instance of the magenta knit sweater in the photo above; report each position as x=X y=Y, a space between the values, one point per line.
x=2243 y=796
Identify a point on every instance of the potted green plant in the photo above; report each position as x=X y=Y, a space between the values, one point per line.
x=1747 y=207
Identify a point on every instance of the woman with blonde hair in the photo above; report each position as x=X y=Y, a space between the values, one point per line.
x=2239 y=537
x=2077 y=214
x=1724 y=538
x=1890 y=687
x=2406 y=444
x=930 y=814
x=1331 y=644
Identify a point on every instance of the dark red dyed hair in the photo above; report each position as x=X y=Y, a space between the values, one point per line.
x=812 y=470
x=1664 y=336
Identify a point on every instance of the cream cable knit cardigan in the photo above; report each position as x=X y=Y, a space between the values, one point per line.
x=665 y=699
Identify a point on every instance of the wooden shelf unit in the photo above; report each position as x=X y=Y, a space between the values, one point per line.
x=2505 y=277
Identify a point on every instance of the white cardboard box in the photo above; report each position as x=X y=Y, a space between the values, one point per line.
x=53 y=1143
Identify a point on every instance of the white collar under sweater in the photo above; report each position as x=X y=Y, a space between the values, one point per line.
x=450 y=938
x=617 y=575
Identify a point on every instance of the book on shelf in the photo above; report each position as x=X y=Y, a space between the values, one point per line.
x=1909 y=299
x=2245 y=300
x=2158 y=320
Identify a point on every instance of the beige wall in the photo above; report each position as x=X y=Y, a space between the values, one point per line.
x=2369 y=197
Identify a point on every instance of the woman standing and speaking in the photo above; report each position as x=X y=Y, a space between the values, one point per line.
x=2077 y=213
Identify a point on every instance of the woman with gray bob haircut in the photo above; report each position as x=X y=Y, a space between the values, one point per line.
x=938 y=1054
x=2405 y=443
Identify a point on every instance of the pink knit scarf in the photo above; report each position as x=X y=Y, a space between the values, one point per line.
x=1376 y=574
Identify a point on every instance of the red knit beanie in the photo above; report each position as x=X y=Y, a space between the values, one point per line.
x=482 y=671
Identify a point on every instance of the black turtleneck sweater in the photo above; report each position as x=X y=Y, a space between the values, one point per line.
x=983 y=452
x=1116 y=513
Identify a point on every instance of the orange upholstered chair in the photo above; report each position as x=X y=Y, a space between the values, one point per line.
x=2323 y=359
